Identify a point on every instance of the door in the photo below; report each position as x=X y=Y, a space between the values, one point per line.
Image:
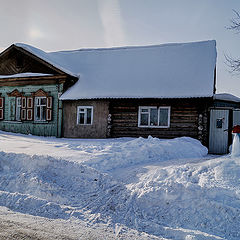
x=218 y=132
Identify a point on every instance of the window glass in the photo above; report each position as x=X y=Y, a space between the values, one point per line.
x=153 y=117
x=44 y=110
x=89 y=115
x=43 y=101
x=144 y=110
x=40 y=108
x=81 y=118
x=163 y=117
x=38 y=113
x=144 y=120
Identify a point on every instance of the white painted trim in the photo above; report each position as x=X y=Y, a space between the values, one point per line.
x=35 y=111
x=85 y=114
x=153 y=107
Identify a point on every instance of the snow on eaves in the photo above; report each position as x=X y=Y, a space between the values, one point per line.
x=26 y=74
x=178 y=70
x=226 y=97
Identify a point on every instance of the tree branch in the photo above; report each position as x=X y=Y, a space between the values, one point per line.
x=235 y=22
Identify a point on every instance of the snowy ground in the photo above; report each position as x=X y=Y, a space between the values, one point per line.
x=119 y=188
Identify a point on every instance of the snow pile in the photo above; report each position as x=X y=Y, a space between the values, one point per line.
x=141 y=150
x=40 y=185
x=236 y=146
x=203 y=197
x=152 y=185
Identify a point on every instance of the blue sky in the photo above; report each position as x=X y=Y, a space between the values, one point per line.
x=72 y=24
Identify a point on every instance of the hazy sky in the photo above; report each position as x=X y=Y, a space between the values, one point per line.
x=72 y=24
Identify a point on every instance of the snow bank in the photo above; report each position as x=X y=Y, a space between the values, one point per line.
x=41 y=185
x=204 y=197
x=199 y=200
x=142 y=150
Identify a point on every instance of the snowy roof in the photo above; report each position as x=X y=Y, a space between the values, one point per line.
x=226 y=97
x=177 y=70
x=26 y=74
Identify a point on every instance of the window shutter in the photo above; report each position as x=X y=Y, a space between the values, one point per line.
x=49 y=108
x=29 y=108
x=1 y=108
x=23 y=110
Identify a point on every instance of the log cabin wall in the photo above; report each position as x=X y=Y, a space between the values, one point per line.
x=188 y=117
x=14 y=61
x=99 y=126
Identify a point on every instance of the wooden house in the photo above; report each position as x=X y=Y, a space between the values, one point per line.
x=165 y=91
x=29 y=93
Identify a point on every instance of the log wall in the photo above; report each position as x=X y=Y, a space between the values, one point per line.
x=188 y=117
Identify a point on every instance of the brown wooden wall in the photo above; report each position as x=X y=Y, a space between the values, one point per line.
x=14 y=62
x=188 y=117
x=100 y=119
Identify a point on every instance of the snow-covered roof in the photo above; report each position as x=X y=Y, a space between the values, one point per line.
x=226 y=97
x=177 y=70
x=26 y=74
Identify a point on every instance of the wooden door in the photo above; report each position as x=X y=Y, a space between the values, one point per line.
x=218 y=132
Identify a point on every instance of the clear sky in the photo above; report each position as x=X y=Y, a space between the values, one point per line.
x=72 y=24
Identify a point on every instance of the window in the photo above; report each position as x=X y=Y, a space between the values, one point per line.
x=84 y=115
x=18 y=108
x=154 y=117
x=40 y=108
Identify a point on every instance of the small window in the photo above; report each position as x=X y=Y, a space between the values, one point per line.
x=154 y=117
x=219 y=123
x=40 y=108
x=84 y=115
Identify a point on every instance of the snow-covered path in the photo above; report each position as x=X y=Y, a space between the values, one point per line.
x=168 y=188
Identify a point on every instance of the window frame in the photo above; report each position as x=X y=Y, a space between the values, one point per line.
x=85 y=115
x=41 y=109
x=158 y=117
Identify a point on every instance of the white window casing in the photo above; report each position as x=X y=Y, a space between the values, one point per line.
x=40 y=109
x=154 y=117
x=84 y=115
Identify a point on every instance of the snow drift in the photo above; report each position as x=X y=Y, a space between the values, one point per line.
x=142 y=150
x=194 y=200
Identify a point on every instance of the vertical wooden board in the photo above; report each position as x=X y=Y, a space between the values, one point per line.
x=11 y=110
x=236 y=117
x=218 y=136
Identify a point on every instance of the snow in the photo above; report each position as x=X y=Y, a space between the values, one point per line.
x=226 y=97
x=26 y=74
x=236 y=146
x=178 y=70
x=169 y=189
